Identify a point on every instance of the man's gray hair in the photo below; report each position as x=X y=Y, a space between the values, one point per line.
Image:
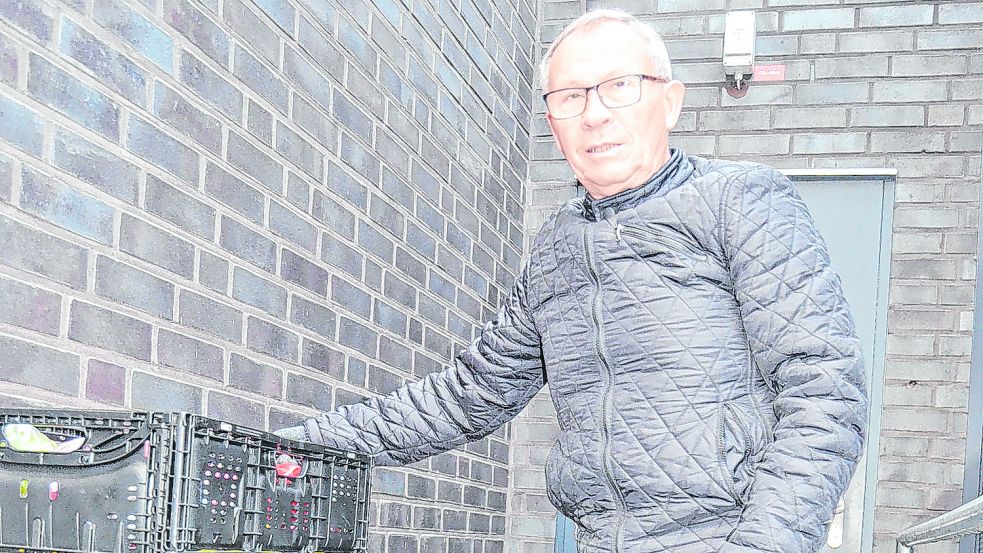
x=657 y=48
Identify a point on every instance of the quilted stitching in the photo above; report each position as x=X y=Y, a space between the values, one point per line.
x=774 y=340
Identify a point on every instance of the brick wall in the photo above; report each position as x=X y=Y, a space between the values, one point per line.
x=869 y=84
x=258 y=209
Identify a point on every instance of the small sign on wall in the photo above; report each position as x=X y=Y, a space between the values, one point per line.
x=768 y=73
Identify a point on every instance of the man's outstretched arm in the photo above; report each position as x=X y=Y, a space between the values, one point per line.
x=489 y=383
x=802 y=339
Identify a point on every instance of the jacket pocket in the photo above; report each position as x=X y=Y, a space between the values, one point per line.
x=736 y=449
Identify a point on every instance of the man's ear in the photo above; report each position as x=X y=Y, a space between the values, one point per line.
x=672 y=97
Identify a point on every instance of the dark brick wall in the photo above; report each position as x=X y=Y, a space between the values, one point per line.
x=260 y=209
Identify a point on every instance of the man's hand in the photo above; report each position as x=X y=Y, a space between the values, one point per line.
x=297 y=433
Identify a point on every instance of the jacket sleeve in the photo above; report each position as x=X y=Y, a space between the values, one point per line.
x=489 y=383
x=802 y=340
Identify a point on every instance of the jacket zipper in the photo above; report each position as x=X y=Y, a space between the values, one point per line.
x=663 y=239
x=609 y=374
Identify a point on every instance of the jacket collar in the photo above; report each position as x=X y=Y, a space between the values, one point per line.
x=676 y=171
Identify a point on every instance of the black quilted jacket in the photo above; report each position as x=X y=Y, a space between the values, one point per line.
x=701 y=357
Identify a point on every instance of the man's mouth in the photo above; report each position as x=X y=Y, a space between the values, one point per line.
x=601 y=148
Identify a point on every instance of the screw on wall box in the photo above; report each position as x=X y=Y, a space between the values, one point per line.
x=121 y=482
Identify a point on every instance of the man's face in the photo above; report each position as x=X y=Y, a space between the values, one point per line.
x=611 y=150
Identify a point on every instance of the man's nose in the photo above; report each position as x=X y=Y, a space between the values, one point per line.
x=595 y=112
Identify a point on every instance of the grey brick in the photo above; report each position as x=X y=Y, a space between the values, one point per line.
x=819 y=43
x=967 y=141
x=318 y=125
x=359 y=158
x=396 y=188
x=407 y=544
x=236 y=410
x=395 y=515
x=259 y=292
x=78 y=101
x=920 y=91
x=66 y=207
x=308 y=392
x=152 y=393
x=156 y=246
x=357 y=336
x=260 y=79
x=950 y=39
x=479 y=523
x=145 y=37
x=351 y=297
x=830 y=18
x=386 y=215
x=887 y=116
x=822 y=93
x=298 y=69
x=764 y=46
x=312 y=315
x=95 y=326
x=259 y=378
x=210 y=86
x=970 y=89
x=299 y=192
x=338 y=253
x=907 y=141
x=213 y=273
x=351 y=116
x=420 y=487
x=198 y=28
x=29 y=307
x=959 y=13
x=31 y=250
x=864 y=66
x=9 y=64
x=281 y=12
x=208 y=315
x=810 y=118
x=297 y=269
x=148 y=142
x=273 y=340
x=911 y=66
x=28 y=16
x=877 y=41
x=387 y=481
x=260 y=123
x=34 y=365
x=112 y=68
x=95 y=165
x=734 y=120
x=105 y=383
x=252 y=29
x=754 y=144
x=255 y=163
x=20 y=126
x=323 y=358
x=940 y=115
x=815 y=143
x=455 y=520
x=287 y=224
x=130 y=286
x=301 y=153
x=248 y=244
x=233 y=192
x=374 y=242
x=396 y=85
x=356 y=372
x=185 y=117
x=389 y=318
x=7 y=171
x=420 y=241
x=897 y=16
x=168 y=203
x=343 y=183
x=188 y=354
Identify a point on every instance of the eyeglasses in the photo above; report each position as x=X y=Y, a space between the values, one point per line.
x=614 y=93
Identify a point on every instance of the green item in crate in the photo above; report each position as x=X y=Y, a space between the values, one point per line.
x=26 y=437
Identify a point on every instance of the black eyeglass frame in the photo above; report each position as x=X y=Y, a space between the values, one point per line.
x=641 y=76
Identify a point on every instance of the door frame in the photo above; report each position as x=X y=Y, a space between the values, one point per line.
x=972 y=481
x=887 y=178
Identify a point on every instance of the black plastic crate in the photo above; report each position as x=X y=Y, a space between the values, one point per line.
x=83 y=482
x=236 y=488
x=132 y=482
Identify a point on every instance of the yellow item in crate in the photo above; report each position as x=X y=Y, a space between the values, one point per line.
x=26 y=437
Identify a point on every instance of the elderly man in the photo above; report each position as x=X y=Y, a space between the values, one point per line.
x=700 y=354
